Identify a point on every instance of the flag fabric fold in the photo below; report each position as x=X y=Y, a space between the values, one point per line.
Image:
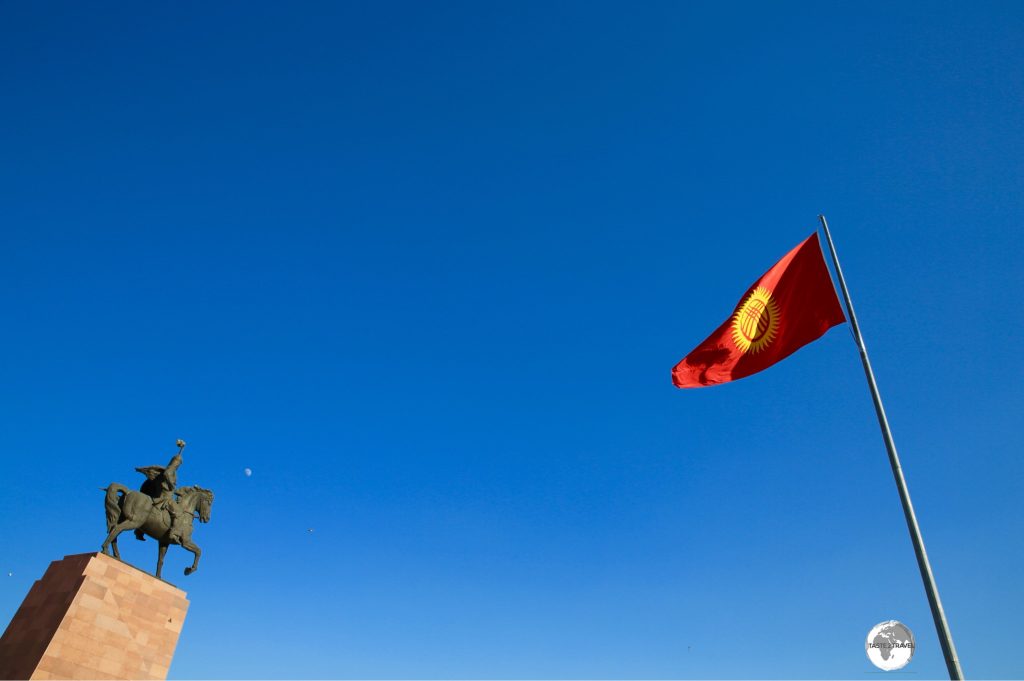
x=791 y=305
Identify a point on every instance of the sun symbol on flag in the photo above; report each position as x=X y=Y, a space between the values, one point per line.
x=756 y=322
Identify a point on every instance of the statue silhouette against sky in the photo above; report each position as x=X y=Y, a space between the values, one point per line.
x=155 y=511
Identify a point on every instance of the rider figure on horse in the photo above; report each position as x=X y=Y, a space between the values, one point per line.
x=160 y=484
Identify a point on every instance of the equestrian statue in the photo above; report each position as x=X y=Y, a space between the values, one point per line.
x=159 y=509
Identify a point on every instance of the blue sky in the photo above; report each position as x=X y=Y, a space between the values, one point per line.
x=425 y=269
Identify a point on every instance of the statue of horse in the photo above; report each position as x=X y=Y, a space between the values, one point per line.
x=129 y=510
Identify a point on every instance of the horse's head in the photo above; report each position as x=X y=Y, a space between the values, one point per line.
x=196 y=498
x=205 y=503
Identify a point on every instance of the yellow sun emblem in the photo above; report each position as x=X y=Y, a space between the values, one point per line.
x=756 y=322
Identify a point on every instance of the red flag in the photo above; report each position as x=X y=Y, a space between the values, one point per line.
x=793 y=304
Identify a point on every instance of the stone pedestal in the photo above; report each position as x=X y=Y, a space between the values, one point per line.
x=93 y=617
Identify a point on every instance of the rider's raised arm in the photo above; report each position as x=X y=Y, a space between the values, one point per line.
x=171 y=472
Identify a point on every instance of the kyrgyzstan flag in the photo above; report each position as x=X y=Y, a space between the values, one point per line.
x=793 y=304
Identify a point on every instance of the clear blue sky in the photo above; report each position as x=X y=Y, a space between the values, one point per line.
x=425 y=268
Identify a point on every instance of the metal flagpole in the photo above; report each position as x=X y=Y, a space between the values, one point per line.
x=941 y=626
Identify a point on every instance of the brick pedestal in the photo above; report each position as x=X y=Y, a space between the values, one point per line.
x=93 y=617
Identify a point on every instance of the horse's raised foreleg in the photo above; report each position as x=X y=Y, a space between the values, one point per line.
x=186 y=543
x=118 y=529
x=161 y=551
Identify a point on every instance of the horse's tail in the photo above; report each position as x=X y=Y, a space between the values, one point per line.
x=115 y=498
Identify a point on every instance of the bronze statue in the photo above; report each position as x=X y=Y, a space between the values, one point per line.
x=154 y=510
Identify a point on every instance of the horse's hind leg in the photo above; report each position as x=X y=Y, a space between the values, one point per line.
x=187 y=544
x=113 y=545
x=161 y=551
x=118 y=529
